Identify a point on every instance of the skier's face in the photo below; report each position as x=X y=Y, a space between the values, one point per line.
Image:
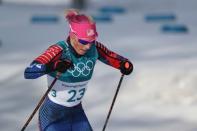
x=80 y=48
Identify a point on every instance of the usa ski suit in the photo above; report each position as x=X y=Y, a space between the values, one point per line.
x=62 y=109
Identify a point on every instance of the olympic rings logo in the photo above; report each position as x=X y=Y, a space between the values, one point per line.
x=82 y=69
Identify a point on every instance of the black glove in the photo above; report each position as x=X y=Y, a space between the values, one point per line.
x=60 y=66
x=126 y=67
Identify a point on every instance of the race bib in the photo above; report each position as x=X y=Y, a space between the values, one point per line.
x=67 y=94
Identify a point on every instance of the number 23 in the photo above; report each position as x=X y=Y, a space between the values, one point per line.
x=73 y=93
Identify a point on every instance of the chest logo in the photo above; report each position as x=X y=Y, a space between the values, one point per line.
x=81 y=68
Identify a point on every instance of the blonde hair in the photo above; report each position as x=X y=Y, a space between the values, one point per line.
x=70 y=13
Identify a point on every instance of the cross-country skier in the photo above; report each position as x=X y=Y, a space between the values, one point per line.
x=75 y=59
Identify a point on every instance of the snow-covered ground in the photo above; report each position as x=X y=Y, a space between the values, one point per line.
x=161 y=93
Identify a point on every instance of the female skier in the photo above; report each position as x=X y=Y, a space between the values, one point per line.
x=75 y=59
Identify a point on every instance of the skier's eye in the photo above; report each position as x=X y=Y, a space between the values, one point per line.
x=84 y=42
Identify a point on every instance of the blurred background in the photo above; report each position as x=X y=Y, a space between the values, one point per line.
x=158 y=36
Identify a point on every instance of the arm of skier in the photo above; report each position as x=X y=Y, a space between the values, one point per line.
x=47 y=62
x=110 y=58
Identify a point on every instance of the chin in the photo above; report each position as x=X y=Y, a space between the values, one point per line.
x=82 y=52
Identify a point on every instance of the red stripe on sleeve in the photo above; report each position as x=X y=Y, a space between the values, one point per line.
x=108 y=56
x=110 y=60
x=51 y=53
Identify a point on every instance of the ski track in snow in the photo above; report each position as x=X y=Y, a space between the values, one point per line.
x=160 y=95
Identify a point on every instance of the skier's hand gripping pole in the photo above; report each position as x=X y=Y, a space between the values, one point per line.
x=126 y=67
x=61 y=67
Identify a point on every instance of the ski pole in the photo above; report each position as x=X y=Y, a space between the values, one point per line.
x=114 y=99
x=40 y=102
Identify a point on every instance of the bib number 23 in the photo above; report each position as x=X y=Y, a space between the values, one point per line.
x=76 y=95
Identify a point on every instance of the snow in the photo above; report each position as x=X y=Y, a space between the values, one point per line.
x=160 y=95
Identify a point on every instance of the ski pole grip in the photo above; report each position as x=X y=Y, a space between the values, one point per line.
x=126 y=67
